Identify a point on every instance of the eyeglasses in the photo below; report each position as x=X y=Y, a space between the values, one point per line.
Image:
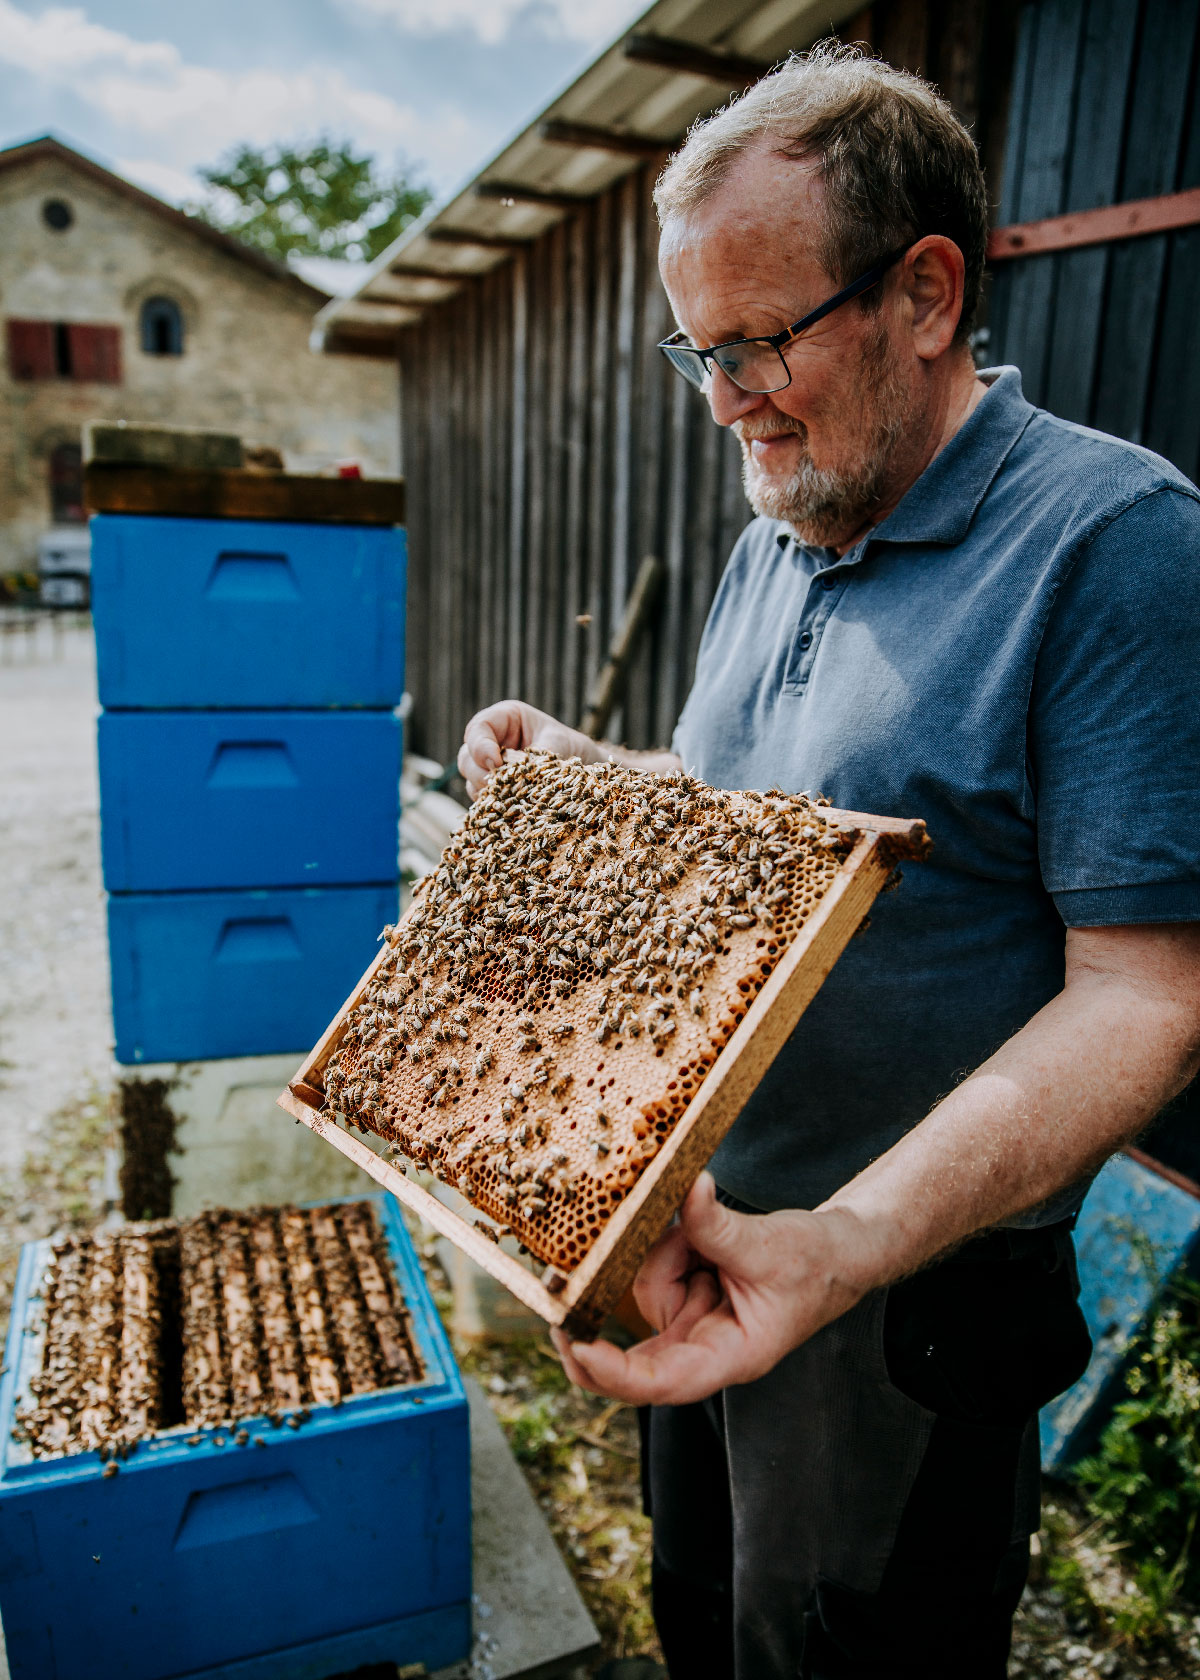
x=757 y=364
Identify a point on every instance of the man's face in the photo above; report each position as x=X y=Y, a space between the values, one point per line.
x=822 y=452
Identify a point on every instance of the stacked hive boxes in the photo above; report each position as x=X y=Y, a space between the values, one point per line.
x=249 y=773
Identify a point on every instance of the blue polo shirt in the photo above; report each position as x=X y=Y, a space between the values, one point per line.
x=1013 y=655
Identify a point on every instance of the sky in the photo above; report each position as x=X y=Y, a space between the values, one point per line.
x=157 y=91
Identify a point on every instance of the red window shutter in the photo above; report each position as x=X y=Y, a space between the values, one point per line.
x=30 y=349
x=95 y=354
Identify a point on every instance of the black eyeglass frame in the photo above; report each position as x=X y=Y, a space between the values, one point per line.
x=777 y=341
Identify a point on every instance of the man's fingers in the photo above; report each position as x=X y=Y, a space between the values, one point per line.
x=667 y=1369
x=664 y=1371
x=659 y=1287
x=471 y=771
x=713 y=1230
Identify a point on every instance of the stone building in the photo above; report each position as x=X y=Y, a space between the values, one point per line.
x=116 y=306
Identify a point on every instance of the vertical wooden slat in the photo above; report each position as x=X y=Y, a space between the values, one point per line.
x=1039 y=189
x=652 y=673
x=902 y=33
x=1173 y=414
x=518 y=459
x=533 y=667
x=576 y=475
x=1158 y=112
x=1096 y=149
x=600 y=374
x=674 y=593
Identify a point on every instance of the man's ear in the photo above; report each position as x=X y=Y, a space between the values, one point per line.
x=931 y=284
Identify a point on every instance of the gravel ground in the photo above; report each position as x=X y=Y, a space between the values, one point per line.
x=54 y=1007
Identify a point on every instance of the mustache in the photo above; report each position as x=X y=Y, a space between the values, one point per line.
x=748 y=431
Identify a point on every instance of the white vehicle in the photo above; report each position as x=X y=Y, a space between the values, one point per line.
x=64 y=566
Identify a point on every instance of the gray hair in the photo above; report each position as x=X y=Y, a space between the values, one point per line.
x=895 y=161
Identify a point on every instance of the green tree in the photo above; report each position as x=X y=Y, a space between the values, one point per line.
x=321 y=200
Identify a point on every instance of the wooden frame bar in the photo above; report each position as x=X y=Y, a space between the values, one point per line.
x=513 y=192
x=581 y=1300
x=686 y=58
x=1133 y=220
x=587 y=137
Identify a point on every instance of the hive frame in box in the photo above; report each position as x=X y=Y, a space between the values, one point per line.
x=580 y=1300
x=211 y=1558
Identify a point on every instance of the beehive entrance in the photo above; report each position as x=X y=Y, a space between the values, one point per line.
x=225 y=1317
x=566 y=980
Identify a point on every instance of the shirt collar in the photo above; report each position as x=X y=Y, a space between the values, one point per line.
x=940 y=506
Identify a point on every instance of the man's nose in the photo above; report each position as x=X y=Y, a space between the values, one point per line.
x=728 y=401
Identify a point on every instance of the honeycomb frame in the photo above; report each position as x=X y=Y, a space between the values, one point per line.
x=219 y=1321
x=720 y=916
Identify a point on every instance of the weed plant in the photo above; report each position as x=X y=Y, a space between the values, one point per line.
x=1143 y=1482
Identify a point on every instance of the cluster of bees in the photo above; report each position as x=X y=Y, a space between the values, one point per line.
x=565 y=979
x=226 y=1317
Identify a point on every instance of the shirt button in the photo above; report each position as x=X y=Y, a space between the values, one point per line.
x=806 y=639
x=828 y=582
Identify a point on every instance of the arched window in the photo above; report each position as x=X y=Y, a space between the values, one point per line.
x=162 y=327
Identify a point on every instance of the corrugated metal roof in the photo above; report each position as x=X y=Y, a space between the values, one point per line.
x=681 y=59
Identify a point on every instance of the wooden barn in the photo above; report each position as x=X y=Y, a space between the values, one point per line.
x=547 y=446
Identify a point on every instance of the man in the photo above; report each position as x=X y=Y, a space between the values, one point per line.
x=957 y=607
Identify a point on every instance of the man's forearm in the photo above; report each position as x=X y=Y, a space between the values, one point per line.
x=1087 y=1073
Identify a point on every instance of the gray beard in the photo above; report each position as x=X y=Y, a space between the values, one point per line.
x=822 y=504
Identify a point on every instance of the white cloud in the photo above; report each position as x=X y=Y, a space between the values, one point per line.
x=192 y=113
x=589 y=21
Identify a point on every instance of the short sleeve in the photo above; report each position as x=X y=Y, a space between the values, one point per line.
x=1114 y=722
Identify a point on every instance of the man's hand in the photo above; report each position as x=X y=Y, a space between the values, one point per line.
x=511 y=723
x=730 y=1294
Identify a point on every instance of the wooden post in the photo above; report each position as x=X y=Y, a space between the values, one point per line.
x=606 y=689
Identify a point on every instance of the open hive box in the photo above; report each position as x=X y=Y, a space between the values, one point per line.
x=205 y=1428
x=580 y=1002
x=209 y=1322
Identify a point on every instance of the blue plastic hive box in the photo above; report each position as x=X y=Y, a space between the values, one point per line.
x=208 y=974
x=343 y=1543
x=1136 y=1230
x=248 y=799
x=222 y=612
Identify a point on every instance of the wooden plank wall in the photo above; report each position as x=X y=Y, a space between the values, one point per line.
x=1106 y=108
x=548 y=447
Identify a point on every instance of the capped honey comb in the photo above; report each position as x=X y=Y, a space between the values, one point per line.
x=212 y=1320
x=566 y=981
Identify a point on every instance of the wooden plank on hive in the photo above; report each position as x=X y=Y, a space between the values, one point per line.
x=229 y=494
x=608 y=1215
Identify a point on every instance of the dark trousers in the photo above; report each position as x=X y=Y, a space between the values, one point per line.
x=863 y=1511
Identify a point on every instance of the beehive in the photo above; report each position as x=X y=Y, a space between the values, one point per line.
x=166 y=1515
x=547 y=1020
x=222 y=1318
